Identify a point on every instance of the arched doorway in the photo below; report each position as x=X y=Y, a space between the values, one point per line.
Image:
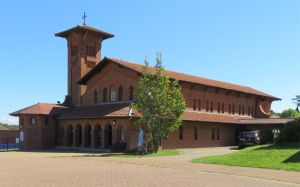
x=78 y=139
x=70 y=135
x=88 y=131
x=98 y=136
x=108 y=136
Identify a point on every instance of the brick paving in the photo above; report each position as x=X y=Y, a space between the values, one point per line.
x=88 y=169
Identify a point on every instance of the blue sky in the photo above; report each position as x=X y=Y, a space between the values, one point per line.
x=249 y=42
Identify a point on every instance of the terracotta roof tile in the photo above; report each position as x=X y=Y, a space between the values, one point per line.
x=41 y=109
x=209 y=117
x=101 y=33
x=262 y=121
x=178 y=76
x=97 y=111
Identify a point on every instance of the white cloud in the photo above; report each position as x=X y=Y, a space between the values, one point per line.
x=9 y=120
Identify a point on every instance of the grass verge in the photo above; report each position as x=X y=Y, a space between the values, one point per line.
x=281 y=157
x=167 y=152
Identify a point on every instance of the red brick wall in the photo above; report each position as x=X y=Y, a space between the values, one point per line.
x=204 y=136
x=8 y=136
x=39 y=135
x=113 y=76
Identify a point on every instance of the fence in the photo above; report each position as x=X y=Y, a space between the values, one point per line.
x=9 y=143
x=9 y=147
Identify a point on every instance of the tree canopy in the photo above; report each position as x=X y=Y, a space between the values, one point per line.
x=290 y=113
x=160 y=102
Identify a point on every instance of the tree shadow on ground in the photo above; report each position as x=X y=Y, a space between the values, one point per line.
x=295 y=158
x=280 y=146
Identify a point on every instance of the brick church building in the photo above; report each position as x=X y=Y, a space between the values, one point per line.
x=96 y=112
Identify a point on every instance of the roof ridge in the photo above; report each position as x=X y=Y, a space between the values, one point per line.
x=196 y=76
x=194 y=79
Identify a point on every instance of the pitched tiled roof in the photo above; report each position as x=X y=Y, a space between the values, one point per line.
x=104 y=35
x=177 y=76
x=261 y=121
x=2 y=128
x=122 y=109
x=209 y=117
x=97 y=111
x=41 y=109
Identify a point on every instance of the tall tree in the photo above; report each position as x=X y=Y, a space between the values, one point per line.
x=297 y=102
x=160 y=102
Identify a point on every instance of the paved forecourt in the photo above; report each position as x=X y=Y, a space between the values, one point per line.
x=89 y=169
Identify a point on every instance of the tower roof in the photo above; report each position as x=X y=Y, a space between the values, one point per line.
x=65 y=34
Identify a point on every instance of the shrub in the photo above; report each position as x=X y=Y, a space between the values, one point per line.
x=266 y=136
x=290 y=132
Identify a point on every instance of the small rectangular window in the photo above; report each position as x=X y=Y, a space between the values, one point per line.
x=21 y=122
x=33 y=120
x=46 y=120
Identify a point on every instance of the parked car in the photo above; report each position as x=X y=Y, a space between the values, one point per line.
x=249 y=139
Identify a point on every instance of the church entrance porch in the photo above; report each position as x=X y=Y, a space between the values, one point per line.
x=93 y=134
x=108 y=136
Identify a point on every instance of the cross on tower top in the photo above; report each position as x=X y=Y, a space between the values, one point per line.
x=83 y=17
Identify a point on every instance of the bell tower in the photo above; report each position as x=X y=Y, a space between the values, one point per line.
x=84 y=53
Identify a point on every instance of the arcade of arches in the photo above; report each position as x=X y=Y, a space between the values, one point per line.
x=88 y=135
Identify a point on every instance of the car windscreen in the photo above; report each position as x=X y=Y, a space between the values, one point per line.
x=249 y=135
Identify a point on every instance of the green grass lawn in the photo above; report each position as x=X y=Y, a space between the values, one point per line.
x=167 y=152
x=282 y=157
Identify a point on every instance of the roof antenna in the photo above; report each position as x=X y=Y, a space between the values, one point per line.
x=83 y=17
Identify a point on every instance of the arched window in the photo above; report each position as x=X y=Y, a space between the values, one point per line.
x=249 y=112
x=207 y=106
x=195 y=133
x=113 y=94
x=211 y=106
x=94 y=51
x=195 y=104
x=120 y=93
x=233 y=109
x=104 y=95
x=223 y=108
x=229 y=108
x=180 y=132
x=131 y=93
x=219 y=107
x=240 y=110
x=95 y=96
x=199 y=104
x=243 y=110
